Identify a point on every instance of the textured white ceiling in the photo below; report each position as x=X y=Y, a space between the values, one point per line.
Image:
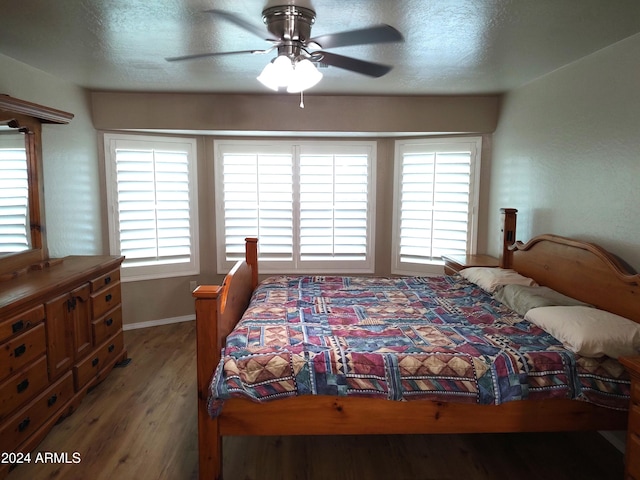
x=451 y=47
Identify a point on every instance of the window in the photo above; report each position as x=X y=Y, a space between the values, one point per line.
x=152 y=197
x=14 y=198
x=435 y=202
x=311 y=204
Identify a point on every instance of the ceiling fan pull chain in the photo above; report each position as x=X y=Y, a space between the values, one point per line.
x=301 y=98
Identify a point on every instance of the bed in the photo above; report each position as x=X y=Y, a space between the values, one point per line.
x=580 y=270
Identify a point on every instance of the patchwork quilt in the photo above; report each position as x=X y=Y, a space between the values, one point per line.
x=434 y=338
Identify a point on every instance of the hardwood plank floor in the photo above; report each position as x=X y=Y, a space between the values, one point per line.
x=140 y=423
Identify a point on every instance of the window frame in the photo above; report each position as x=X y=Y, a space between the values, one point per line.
x=159 y=269
x=296 y=265
x=434 y=267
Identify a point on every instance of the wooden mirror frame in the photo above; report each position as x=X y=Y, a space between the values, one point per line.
x=28 y=118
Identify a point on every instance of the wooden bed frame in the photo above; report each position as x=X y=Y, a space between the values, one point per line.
x=578 y=269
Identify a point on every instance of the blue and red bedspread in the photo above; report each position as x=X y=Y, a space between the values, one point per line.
x=435 y=338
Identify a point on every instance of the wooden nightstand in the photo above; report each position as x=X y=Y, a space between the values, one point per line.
x=455 y=263
x=632 y=453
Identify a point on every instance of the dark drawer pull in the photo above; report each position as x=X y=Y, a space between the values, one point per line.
x=95 y=361
x=71 y=304
x=52 y=400
x=24 y=424
x=112 y=347
x=108 y=298
x=107 y=280
x=108 y=322
x=23 y=385
x=19 y=350
x=16 y=327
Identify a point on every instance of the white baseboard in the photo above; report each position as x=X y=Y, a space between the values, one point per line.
x=156 y=323
x=616 y=438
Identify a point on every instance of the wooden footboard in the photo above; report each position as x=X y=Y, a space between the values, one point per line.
x=327 y=415
x=218 y=309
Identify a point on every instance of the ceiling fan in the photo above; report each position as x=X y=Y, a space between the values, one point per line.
x=289 y=31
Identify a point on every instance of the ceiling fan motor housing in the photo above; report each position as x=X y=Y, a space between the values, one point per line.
x=292 y=25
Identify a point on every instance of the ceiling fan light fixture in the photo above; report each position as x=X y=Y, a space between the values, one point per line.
x=277 y=73
x=295 y=76
x=305 y=75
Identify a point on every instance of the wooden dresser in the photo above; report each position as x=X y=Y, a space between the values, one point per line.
x=60 y=334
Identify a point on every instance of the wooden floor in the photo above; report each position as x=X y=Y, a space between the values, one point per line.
x=140 y=423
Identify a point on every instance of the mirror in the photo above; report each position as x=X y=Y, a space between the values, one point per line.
x=15 y=230
x=21 y=138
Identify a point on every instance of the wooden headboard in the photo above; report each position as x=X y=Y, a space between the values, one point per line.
x=580 y=270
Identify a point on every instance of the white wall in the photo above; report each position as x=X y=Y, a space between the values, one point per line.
x=566 y=153
x=70 y=155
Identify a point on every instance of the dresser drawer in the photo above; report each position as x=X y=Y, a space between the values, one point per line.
x=106 y=280
x=20 y=323
x=21 y=425
x=106 y=326
x=89 y=368
x=20 y=350
x=105 y=300
x=23 y=386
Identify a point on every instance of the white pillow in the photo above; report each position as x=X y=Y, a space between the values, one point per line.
x=588 y=331
x=522 y=298
x=489 y=278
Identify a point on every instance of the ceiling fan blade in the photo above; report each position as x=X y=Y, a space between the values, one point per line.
x=258 y=31
x=215 y=54
x=376 y=34
x=353 y=64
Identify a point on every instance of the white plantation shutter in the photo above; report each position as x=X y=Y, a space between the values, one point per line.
x=258 y=202
x=153 y=219
x=309 y=204
x=333 y=206
x=435 y=201
x=14 y=200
